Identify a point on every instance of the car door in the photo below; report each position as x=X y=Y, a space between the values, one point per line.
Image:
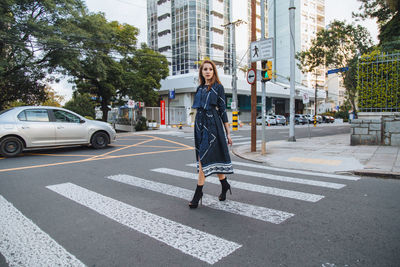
x=35 y=127
x=69 y=128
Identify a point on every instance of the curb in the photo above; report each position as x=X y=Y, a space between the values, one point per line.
x=377 y=173
x=242 y=157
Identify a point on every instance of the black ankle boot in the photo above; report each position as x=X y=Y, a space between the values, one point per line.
x=225 y=187
x=198 y=195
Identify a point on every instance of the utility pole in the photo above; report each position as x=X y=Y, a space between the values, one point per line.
x=263 y=95
x=253 y=86
x=315 y=99
x=292 y=9
x=234 y=104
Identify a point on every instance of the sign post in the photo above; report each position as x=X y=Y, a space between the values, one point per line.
x=251 y=76
x=162 y=113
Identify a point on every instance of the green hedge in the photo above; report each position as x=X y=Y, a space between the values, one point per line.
x=378 y=84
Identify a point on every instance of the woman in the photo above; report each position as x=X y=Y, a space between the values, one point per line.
x=212 y=152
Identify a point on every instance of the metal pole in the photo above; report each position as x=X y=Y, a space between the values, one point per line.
x=234 y=84
x=263 y=108
x=253 y=86
x=292 y=8
x=274 y=38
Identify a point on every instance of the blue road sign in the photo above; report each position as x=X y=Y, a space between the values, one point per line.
x=172 y=94
x=338 y=70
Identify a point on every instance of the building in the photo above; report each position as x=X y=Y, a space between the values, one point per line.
x=187 y=31
x=309 y=19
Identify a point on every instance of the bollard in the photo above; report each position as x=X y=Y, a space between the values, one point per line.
x=234 y=120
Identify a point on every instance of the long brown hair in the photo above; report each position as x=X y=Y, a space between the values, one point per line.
x=214 y=78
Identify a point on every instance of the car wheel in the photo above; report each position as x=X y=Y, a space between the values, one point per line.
x=100 y=140
x=11 y=146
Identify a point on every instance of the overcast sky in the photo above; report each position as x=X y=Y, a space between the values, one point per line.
x=134 y=12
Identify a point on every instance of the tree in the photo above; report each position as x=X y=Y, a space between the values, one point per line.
x=387 y=15
x=50 y=99
x=335 y=47
x=32 y=37
x=142 y=74
x=81 y=104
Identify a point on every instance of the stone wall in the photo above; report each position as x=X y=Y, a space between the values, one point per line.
x=376 y=128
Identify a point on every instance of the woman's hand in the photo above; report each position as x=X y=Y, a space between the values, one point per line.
x=229 y=139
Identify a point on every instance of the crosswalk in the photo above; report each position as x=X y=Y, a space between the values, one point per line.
x=236 y=138
x=25 y=243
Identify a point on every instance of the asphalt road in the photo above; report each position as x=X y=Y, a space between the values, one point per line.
x=127 y=206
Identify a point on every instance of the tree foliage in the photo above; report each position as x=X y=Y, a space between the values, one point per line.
x=336 y=47
x=81 y=104
x=31 y=35
x=387 y=15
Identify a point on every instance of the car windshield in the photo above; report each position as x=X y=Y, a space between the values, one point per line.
x=4 y=111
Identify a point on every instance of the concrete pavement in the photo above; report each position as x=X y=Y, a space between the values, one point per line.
x=331 y=154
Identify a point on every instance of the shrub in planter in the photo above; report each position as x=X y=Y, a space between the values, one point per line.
x=141 y=124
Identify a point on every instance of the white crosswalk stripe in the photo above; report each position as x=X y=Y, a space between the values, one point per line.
x=256 y=212
x=206 y=247
x=328 y=175
x=23 y=243
x=247 y=186
x=285 y=179
x=240 y=138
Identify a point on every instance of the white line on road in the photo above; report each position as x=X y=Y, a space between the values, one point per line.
x=256 y=212
x=246 y=186
x=23 y=243
x=285 y=178
x=201 y=245
x=245 y=143
x=328 y=175
x=240 y=138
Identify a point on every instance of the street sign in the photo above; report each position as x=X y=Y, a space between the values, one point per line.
x=306 y=98
x=251 y=76
x=131 y=103
x=233 y=105
x=338 y=70
x=262 y=50
x=171 y=94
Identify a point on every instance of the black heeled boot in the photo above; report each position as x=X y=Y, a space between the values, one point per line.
x=198 y=195
x=225 y=187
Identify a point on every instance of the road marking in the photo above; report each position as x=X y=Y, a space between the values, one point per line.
x=201 y=245
x=328 y=175
x=246 y=143
x=316 y=161
x=23 y=243
x=255 y=212
x=91 y=159
x=240 y=139
x=247 y=186
x=285 y=178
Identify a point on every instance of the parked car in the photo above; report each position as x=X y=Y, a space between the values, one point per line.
x=328 y=119
x=280 y=119
x=300 y=119
x=269 y=119
x=309 y=117
x=40 y=126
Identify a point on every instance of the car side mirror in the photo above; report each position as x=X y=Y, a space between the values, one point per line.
x=82 y=121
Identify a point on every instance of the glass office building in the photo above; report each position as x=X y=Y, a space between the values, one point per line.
x=187 y=31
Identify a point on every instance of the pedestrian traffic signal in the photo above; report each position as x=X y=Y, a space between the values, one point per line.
x=266 y=72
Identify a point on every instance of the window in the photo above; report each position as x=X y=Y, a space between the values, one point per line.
x=34 y=115
x=63 y=116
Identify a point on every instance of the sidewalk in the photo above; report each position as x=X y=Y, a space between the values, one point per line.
x=332 y=154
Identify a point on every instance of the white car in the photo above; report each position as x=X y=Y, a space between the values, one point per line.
x=269 y=119
x=39 y=126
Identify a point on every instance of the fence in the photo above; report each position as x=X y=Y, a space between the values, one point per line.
x=174 y=116
x=378 y=83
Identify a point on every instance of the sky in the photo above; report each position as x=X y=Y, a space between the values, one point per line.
x=134 y=12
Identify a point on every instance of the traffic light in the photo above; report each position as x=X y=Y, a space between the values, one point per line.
x=266 y=72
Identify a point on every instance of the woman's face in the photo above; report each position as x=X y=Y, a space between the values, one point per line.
x=207 y=71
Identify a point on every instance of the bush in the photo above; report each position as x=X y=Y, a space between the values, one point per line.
x=141 y=124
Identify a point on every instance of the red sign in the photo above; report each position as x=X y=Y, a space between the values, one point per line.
x=162 y=111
